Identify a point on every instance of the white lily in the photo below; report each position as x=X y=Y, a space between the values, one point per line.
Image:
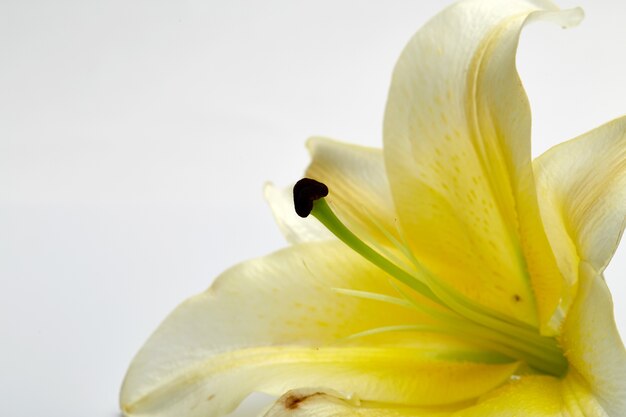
x=448 y=274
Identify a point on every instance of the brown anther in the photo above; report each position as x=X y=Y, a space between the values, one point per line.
x=305 y=192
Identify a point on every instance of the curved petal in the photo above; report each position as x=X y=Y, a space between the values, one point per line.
x=294 y=228
x=276 y=323
x=582 y=189
x=457 y=152
x=593 y=345
x=319 y=402
x=358 y=188
x=536 y=396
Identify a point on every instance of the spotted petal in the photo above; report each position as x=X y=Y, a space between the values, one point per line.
x=594 y=385
x=457 y=151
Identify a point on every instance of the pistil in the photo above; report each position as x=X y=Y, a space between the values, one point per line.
x=521 y=343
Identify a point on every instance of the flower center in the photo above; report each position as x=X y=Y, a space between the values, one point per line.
x=461 y=316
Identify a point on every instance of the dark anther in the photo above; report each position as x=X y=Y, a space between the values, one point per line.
x=305 y=192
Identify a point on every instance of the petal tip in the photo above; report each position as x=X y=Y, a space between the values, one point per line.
x=269 y=189
x=566 y=18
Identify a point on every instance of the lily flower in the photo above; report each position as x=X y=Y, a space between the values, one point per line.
x=447 y=274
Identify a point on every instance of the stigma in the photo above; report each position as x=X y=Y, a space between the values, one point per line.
x=305 y=193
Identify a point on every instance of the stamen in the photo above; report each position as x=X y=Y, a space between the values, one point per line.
x=305 y=192
x=325 y=215
x=367 y=295
x=399 y=328
x=464 y=318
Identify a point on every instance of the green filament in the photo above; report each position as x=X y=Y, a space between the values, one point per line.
x=519 y=342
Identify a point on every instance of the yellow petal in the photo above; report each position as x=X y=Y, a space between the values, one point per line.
x=320 y=402
x=294 y=228
x=593 y=345
x=536 y=396
x=539 y=396
x=582 y=189
x=457 y=152
x=358 y=188
x=276 y=323
x=529 y=396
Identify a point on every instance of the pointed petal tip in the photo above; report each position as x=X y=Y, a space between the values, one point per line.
x=572 y=17
x=269 y=189
x=312 y=142
x=566 y=18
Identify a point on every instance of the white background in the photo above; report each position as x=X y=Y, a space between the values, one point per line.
x=136 y=136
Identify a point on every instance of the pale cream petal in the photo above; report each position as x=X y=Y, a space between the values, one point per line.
x=321 y=402
x=593 y=345
x=457 y=152
x=358 y=187
x=277 y=323
x=294 y=228
x=582 y=189
x=216 y=385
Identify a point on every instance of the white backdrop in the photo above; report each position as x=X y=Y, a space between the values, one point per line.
x=136 y=136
